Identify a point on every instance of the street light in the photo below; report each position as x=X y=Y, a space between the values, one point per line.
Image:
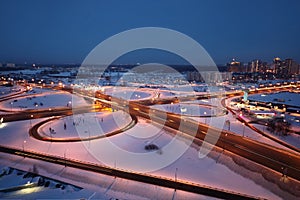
x=89 y=137
x=264 y=127
x=65 y=152
x=244 y=126
x=205 y=117
x=176 y=176
x=228 y=124
x=23 y=147
x=31 y=116
x=23 y=144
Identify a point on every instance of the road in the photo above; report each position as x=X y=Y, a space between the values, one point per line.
x=49 y=112
x=273 y=158
x=145 y=178
x=261 y=153
x=33 y=131
x=269 y=156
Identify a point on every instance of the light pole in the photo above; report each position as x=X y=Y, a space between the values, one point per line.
x=65 y=152
x=115 y=166
x=176 y=176
x=23 y=144
x=205 y=117
x=243 y=129
x=23 y=147
x=89 y=137
x=31 y=116
x=51 y=134
x=228 y=124
x=264 y=127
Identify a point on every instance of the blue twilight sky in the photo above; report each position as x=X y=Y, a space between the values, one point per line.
x=65 y=31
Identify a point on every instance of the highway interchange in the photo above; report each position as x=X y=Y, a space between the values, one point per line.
x=266 y=155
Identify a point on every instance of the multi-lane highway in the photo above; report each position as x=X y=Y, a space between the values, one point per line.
x=273 y=158
x=269 y=156
x=145 y=178
x=264 y=154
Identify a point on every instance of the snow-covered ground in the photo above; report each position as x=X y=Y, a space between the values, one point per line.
x=41 y=99
x=95 y=186
x=132 y=143
x=237 y=127
x=128 y=93
x=291 y=138
x=294 y=120
x=141 y=92
x=234 y=125
x=6 y=91
x=85 y=125
x=287 y=98
x=12 y=178
x=23 y=71
x=191 y=109
x=127 y=151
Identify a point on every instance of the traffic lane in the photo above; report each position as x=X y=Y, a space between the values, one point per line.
x=145 y=178
x=269 y=156
x=35 y=114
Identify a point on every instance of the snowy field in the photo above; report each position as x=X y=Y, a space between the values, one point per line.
x=41 y=99
x=12 y=178
x=291 y=138
x=85 y=125
x=190 y=109
x=139 y=92
x=287 y=98
x=128 y=93
x=211 y=101
x=95 y=186
x=6 y=91
x=132 y=144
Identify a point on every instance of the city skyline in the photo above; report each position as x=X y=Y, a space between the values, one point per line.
x=65 y=32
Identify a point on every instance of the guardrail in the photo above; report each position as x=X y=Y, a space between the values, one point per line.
x=140 y=177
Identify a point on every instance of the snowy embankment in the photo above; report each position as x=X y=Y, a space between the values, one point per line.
x=236 y=127
x=292 y=138
x=96 y=186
